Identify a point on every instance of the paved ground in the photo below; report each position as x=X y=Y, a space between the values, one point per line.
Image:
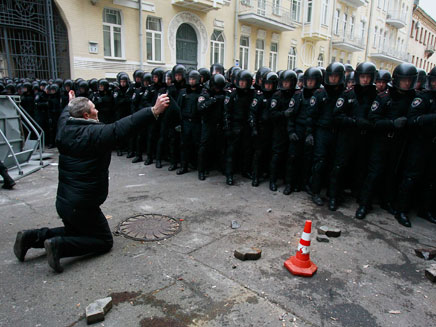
x=193 y=279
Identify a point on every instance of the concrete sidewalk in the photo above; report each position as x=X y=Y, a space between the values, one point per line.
x=369 y=276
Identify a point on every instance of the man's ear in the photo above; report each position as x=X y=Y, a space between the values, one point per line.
x=86 y=115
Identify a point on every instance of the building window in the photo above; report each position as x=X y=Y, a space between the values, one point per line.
x=425 y=37
x=112 y=33
x=344 y=22
x=308 y=17
x=261 y=7
x=217 y=48
x=411 y=30
x=154 y=39
x=292 y=58
x=413 y=59
x=276 y=7
x=334 y=55
x=260 y=50
x=350 y=56
x=324 y=12
x=362 y=30
x=244 y=52
x=320 y=60
x=273 y=56
x=374 y=44
x=337 y=15
x=296 y=10
x=380 y=38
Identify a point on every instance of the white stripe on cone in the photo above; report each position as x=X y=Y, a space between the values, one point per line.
x=305 y=236
x=303 y=249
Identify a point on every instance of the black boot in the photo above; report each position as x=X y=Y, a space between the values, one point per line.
x=53 y=254
x=130 y=155
x=8 y=182
x=182 y=170
x=361 y=212
x=24 y=241
x=201 y=176
x=308 y=189
x=119 y=153
x=137 y=159
x=255 y=181
x=229 y=180
x=333 y=205
x=428 y=216
x=317 y=199
x=389 y=208
x=273 y=186
x=172 y=167
x=287 y=190
x=148 y=161
x=158 y=164
x=402 y=218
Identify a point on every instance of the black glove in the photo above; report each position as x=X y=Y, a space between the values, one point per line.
x=363 y=123
x=400 y=122
x=293 y=137
x=310 y=140
x=288 y=113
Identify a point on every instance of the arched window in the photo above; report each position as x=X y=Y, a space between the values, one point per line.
x=292 y=58
x=217 y=48
x=112 y=33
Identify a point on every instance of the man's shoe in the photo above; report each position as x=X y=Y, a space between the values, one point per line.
x=255 y=181
x=130 y=155
x=273 y=186
x=402 y=218
x=172 y=167
x=158 y=164
x=389 y=208
x=53 y=255
x=333 y=205
x=308 y=189
x=296 y=189
x=317 y=199
x=201 y=176
x=182 y=171
x=24 y=241
x=361 y=212
x=428 y=216
x=287 y=190
x=137 y=159
x=148 y=161
x=229 y=180
x=119 y=153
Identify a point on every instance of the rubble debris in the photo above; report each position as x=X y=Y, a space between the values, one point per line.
x=430 y=273
x=329 y=231
x=96 y=311
x=235 y=224
x=322 y=238
x=248 y=253
x=427 y=254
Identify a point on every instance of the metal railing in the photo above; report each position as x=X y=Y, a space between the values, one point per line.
x=267 y=9
x=397 y=15
x=350 y=38
x=392 y=52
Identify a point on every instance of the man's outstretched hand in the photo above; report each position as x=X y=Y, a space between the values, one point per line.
x=71 y=95
x=162 y=103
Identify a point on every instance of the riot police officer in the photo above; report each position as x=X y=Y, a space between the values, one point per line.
x=382 y=80
x=104 y=102
x=122 y=104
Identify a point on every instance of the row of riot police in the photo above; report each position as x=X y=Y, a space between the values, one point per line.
x=337 y=128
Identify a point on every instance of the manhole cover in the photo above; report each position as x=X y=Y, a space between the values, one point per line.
x=149 y=227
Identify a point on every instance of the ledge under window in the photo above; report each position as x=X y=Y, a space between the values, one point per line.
x=115 y=58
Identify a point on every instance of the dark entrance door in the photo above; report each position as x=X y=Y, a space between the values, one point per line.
x=33 y=40
x=186 y=46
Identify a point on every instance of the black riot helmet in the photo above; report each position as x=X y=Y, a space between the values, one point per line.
x=270 y=78
x=431 y=80
x=123 y=77
x=315 y=74
x=53 y=88
x=104 y=82
x=205 y=74
x=422 y=76
x=383 y=75
x=365 y=68
x=216 y=69
x=159 y=72
x=405 y=76
x=43 y=83
x=119 y=74
x=335 y=69
x=218 y=82
x=349 y=80
x=297 y=70
x=93 y=84
x=348 y=68
x=138 y=73
x=83 y=85
x=68 y=83
x=234 y=75
x=146 y=77
x=35 y=86
x=28 y=86
x=290 y=76
x=168 y=75
x=228 y=74
x=244 y=75
x=260 y=73
x=194 y=75
x=179 y=69
x=59 y=82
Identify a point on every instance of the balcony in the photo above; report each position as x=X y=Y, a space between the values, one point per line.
x=265 y=14
x=392 y=55
x=429 y=50
x=314 y=36
x=396 y=18
x=200 y=5
x=348 y=42
x=354 y=3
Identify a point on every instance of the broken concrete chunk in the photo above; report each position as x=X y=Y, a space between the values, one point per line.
x=329 y=231
x=235 y=224
x=430 y=273
x=248 y=253
x=427 y=254
x=96 y=311
x=322 y=230
x=322 y=238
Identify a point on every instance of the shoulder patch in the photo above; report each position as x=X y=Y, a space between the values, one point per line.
x=201 y=99
x=254 y=103
x=416 y=102
x=339 y=102
x=312 y=101
x=292 y=103
x=227 y=100
x=273 y=103
x=375 y=106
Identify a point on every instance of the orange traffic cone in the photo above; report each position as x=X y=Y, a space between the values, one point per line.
x=300 y=264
